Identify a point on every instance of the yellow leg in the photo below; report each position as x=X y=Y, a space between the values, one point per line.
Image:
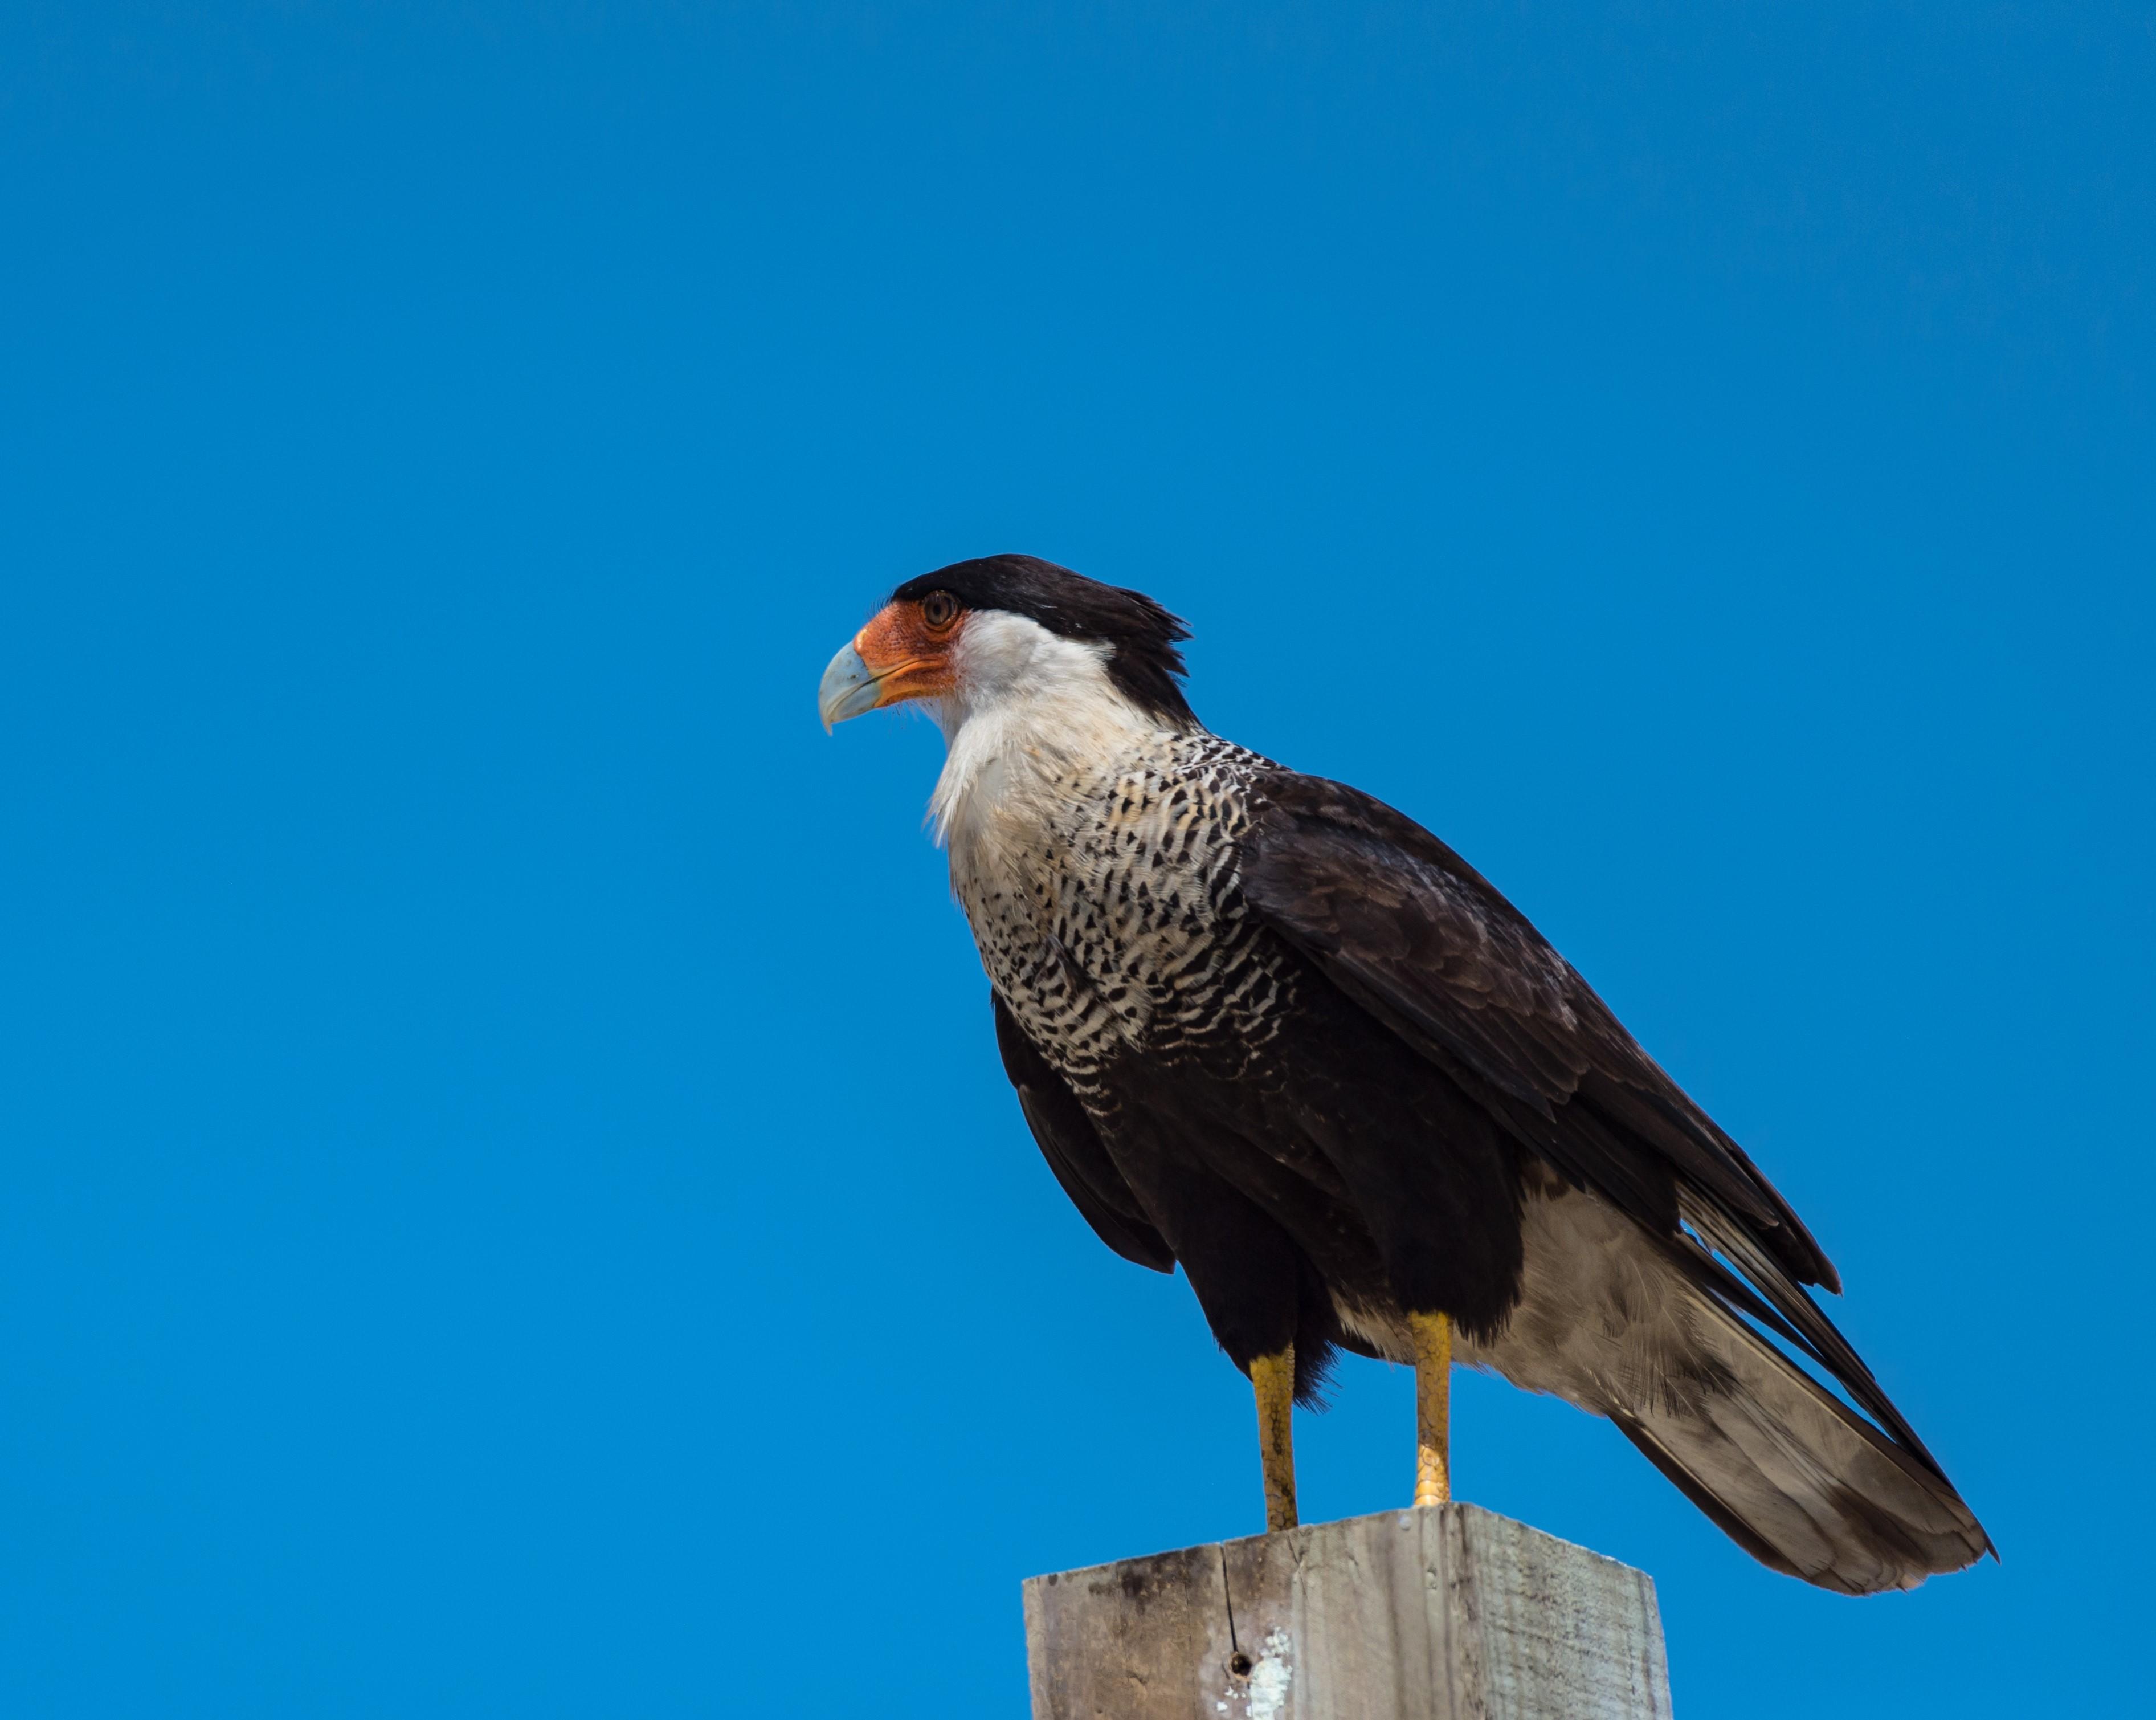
x=1433 y=1348
x=1274 y=1377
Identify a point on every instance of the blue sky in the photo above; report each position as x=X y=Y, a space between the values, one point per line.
x=509 y=1204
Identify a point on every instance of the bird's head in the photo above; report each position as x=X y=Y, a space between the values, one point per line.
x=983 y=632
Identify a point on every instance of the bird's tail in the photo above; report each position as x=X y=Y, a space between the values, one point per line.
x=1795 y=1477
x=1648 y=1331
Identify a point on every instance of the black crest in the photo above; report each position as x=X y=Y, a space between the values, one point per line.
x=1143 y=661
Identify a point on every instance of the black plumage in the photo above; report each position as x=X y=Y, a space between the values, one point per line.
x=1072 y=1146
x=1144 y=663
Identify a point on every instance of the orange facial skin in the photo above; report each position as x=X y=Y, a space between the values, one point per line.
x=909 y=658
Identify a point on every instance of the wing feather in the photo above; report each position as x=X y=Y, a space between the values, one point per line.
x=1071 y=1144
x=1421 y=939
x=1425 y=944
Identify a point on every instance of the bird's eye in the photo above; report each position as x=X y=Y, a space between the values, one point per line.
x=939 y=609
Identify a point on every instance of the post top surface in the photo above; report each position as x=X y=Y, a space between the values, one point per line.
x=1404 y=1519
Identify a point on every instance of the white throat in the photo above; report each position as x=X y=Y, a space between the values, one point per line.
x=1030 y=709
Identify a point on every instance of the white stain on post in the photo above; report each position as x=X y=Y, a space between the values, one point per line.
x=1270 y=1678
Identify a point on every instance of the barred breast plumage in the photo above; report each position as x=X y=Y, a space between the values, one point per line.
x=1108 y=915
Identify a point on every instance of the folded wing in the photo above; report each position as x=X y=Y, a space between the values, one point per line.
x=1072 y=1146
x=1419 y=938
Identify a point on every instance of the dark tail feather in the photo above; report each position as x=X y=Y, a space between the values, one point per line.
x=1794 y=1477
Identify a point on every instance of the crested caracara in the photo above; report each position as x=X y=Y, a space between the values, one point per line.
x=1268 y=1029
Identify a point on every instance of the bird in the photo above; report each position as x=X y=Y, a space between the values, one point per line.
x=1267 y=1030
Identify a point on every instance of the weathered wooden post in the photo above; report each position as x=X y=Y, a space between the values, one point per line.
x=1441 y=1613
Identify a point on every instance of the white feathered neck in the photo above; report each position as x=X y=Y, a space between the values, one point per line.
x=1033 y=711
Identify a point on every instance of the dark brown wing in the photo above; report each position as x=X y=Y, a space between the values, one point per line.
x=1421 y=941
x=1072 y=1148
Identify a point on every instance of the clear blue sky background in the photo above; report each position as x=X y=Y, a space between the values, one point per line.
x=508 y=1206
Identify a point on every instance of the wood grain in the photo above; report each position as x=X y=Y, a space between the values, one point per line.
x=1449 y=1613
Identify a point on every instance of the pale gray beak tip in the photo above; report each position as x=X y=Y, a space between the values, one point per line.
x=848 y=689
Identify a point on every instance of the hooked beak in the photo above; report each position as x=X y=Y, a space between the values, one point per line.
x=848 y=689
